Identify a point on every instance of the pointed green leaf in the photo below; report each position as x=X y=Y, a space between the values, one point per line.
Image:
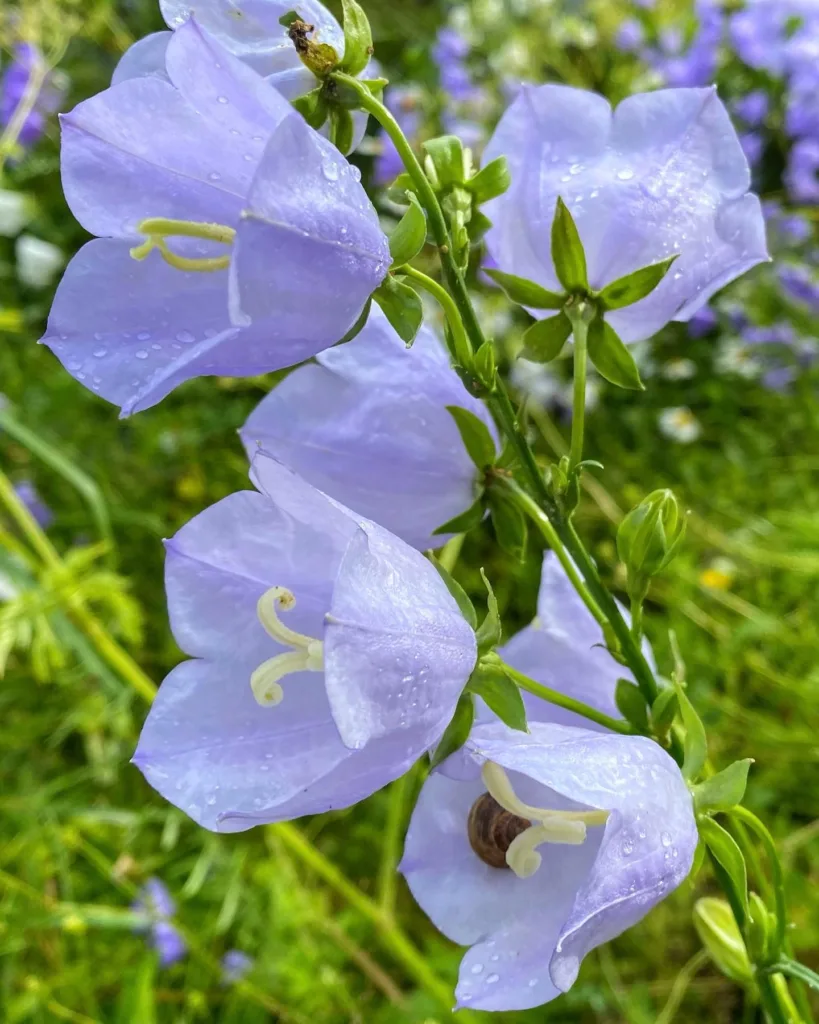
x=631 y=704
x=466 y=607
x=625 y=291
x=464 y=522
x=475 y=435
x=663 y=710
x=611 y=357
x=545 y=339
x=457 y=732
x=490 y=631
x=402 y=307
x=695 y=744
x=485 y=365
x=502 y=696
x=511 y=527
x=725 y=789
x=490 y=181
x=409 y=236
x=728 y=855
x=446 y=157
x=567 y=251
x=526 y=293
x=477 y=227
x=358 y=38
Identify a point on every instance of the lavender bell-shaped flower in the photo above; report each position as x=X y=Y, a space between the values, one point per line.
x=368 y=425
x=328 y=656
x=534 y=849
x=155 y=900
x=253 y=32
x=663 y=174
x=234 y=239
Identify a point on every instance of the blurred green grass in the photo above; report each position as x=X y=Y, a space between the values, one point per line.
x=82 y=830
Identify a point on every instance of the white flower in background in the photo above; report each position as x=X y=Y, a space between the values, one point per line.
x=37 y=261
x=15 y=212
x=679 y=424
x=735 y=357
x=679 y=369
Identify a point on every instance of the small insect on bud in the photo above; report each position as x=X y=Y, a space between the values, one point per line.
x=649 y=538
x=492 y=829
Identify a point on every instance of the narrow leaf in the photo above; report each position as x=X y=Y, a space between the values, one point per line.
x=794 y=969
x=663 y=710
x=502 y=696
x=464 y=522
x=511 y=527
x=631 y=704
x=402 y=307
x=491 y=629
x=466 y=607
x=527 y=293
x=695 y=745
x=457 y=732
x=545 y=339
x=476 y=437
x=490 y=181
x=611 y=357
x=630 y=289
x=409 y=236
x=724 y=790
x=567 y=251
x=358 y=38
x=728 y=855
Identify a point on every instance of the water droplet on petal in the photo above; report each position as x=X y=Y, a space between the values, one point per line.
x=221 y=99
x=477 y=968
x=626 y=174
x=100 y=353
x=665 y=838
x=492 y=979
x=214 y=176
x=185 y=337
x=330 y=170
x=141 y=353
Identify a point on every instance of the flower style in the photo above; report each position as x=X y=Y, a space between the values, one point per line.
x=234 y=239
x=662 y=175
x=368 y=425
x=253 y=32
x=534 y=849
x=328 y=656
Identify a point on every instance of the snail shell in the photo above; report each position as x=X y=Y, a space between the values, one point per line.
x=491 y=830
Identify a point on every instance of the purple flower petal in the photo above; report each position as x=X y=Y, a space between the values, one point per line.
x=145 y=57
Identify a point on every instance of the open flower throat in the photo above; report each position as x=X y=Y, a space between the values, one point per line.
x=505 y=832
x=307 y=654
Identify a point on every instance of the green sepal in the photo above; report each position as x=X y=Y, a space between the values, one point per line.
x=457 y=732
x=625 y=291
x=695 y=744
x=402 y=307
x=342 y=129
x=359 y=325
x=409 y=236
x=718 y=932
x=545 y=339
x=631 y=704
x=464 y=522
x=490 y=181
x=728 y=855
x=511 y=527
x=465 y=606
x=486 y=367
x=490 y=630
x=358 y=38
x=611 y=356
x=286 y=20
x=475 y=435
x=567 y=251
x=663 y=710
x=446 y=160
x=501 y=695
x=313 y=107
x=527 y=293
x=725 y=789
x=477 y=227
x=760 y=930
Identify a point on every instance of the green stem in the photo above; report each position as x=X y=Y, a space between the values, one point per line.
x=391 y=849
x=463 y=350
x=561 y=700
x=107 y=647
x=637 y=619
x=580 y=331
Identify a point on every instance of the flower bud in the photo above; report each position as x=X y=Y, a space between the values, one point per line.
x=648 y=538
x=719 y=934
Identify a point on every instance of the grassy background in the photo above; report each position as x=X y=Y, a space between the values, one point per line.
x=82 y=830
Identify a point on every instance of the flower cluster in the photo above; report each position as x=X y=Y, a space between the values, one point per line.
x=327 y=654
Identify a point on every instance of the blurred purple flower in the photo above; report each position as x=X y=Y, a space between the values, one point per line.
x=780 y=378
x=753 y=145
x=703 y=322
x=404 y=103
x=369 y=426
x=753 y=107
x=612 y=170
x=799 y=283
x=696 y=63
x=13 y=86
x=215 y=145
x=568 y=883
x=792 y=227
x=28 y=494
x=155 y=900
x=374 y=669
x=630 y=35
x=235 y=966
x=802 y=174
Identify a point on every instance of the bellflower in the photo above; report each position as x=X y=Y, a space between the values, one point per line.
x=13 y=87
x=663 y=174
x=234 y=239
x=533 y=849
x=253 y=33
x=30 y=497
x=155 y=900
x=368 y=425
x=235 y=966
x=328 y=656
x=802 y=174
x=404 y=103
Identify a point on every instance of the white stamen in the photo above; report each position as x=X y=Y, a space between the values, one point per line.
x=564 y=827
x=307 y=654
